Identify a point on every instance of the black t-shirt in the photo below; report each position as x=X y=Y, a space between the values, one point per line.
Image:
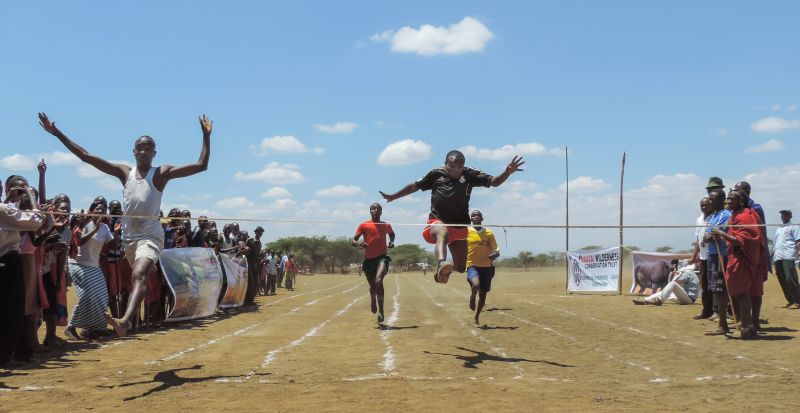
x=255 y=250
x=450 y=197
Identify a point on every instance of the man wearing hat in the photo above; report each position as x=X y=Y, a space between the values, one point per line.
x=253 y=253
x=713 y=183
x=787 y=244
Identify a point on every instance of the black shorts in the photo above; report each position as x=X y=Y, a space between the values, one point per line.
x=484 y=275
x=370 y=266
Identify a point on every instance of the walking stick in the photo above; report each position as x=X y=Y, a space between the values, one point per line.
x=727 y=290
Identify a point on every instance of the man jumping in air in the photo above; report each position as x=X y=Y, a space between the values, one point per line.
x=451 y=186
x=376 y=262
x=143 y=186
x=480 y=261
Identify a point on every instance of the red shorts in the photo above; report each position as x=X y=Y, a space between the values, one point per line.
x=454 y=233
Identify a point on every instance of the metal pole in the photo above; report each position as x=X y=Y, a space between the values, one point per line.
x=621 y=186
x=566 y=255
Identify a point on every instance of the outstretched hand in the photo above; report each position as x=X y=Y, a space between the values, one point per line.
x=49 y=127
x=515 y=164
x=386 y=196
x=42 y=166
x=206 y=124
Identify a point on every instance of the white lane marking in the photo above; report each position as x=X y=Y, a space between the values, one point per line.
x=30 y=388
x=574 y=340
x=216 y=340
x=660 y=336
x=497 y=350
x=388 y=356
x=272 y=355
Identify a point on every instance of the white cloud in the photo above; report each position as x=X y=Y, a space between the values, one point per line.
x=274 y=173
x=337 y=128
x=507 y=152
x=585 y=184
x=404 y=152
x=200 y=197
x=519 y=186
x=285 y=144
x=776 y=107
x=723 y=132
x=236 y=202
x=467 y=36
x=339 y=190
x=277 y=192
x=792 y=107
x=774 y=124
x=60 y=158
x=284 y=203
x=18 y=162
x=772 y=145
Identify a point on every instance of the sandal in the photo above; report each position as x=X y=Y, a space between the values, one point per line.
x=71 y=333
x=443 y=273
x=120 y=327
x=748 y=334
x=718 y=332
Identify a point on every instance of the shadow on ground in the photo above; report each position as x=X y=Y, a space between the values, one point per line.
x=392 y=328
x=168 y=379
x=478 y=357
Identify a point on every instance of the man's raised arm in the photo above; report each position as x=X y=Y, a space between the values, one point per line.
x=407 y=190
x=171 y=172
x=116 y=170
x=513 y=166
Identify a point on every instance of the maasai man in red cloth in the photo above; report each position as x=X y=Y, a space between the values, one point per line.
x=745 y=262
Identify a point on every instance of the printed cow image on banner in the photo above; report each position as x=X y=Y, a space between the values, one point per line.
x=593 y=270
x=651 y=270
x=195 y=280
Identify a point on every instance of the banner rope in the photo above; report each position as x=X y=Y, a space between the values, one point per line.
x=409 y=224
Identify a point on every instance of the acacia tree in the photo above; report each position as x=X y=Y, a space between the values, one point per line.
x=525 y=259
x=664 y=248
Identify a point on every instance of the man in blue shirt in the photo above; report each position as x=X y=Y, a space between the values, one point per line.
x=717 y=258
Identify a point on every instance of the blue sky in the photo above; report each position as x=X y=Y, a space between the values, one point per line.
x=687 y=89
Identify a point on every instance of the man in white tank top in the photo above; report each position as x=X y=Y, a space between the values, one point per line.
x=143 y=186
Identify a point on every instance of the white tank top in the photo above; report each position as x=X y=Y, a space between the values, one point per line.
x=141 y=198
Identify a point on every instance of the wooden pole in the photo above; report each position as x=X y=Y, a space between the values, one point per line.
x=566 y=256
x=621 y=186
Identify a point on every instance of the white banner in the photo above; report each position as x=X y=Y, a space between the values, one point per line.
x=651 y=270
x=236 y=274
x=593 y=270
x=195 y=279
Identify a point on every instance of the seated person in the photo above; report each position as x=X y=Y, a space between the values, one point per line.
x=682 y=289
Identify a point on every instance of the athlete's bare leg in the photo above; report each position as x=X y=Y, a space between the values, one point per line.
x=381 y=273
x=443 y=268
x=141 y=267
x=475 y=283
x=481 y=302
x=458 y=249
x=373 y=304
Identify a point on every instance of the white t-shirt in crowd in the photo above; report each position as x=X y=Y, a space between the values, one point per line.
x=89 y=253
x=699 y=232
x=786 y=238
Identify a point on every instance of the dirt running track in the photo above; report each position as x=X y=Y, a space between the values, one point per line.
x=318 y=349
